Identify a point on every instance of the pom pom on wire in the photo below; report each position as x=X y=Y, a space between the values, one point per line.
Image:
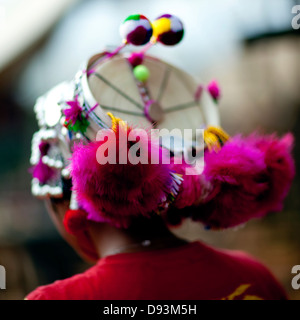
x=136 y=29
x=250 y=176
x=167 y=29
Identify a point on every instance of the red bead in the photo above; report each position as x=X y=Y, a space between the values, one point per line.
x=136 y=59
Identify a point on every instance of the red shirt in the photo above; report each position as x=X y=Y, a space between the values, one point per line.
x=192 y=271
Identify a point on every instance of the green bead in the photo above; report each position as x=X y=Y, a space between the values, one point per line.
x=141 y=73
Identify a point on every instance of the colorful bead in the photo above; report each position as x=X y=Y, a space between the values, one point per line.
x=141 y=73
x=214 y=90
x=136 y=58
x=168 y=29
x=136 y=29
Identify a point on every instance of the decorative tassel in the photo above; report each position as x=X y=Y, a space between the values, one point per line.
x=171 y=192
x=75 y=120
x=115 y=122
x=215 y=137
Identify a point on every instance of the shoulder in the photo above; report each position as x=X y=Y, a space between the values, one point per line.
x=262 y=277
x=250 y=264
x=234 y=259
x=241 y=268
x=77 y=287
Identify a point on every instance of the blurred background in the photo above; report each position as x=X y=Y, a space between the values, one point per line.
x=250 y=47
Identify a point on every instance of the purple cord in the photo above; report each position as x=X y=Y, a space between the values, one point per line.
x=108 y=55
x=146 y=109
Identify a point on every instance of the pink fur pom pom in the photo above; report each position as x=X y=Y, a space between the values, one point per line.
x=251 y=177
x=214 y=90
x=280 y=167
x=74 y=112
x=116 y=193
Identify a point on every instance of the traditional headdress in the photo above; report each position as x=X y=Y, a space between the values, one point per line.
x=242 y=177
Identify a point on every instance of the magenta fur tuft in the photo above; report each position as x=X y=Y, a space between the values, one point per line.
x=247 y=178
x=74 y=112
x=214 y=90
x=116 y=193
x=250 y=177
